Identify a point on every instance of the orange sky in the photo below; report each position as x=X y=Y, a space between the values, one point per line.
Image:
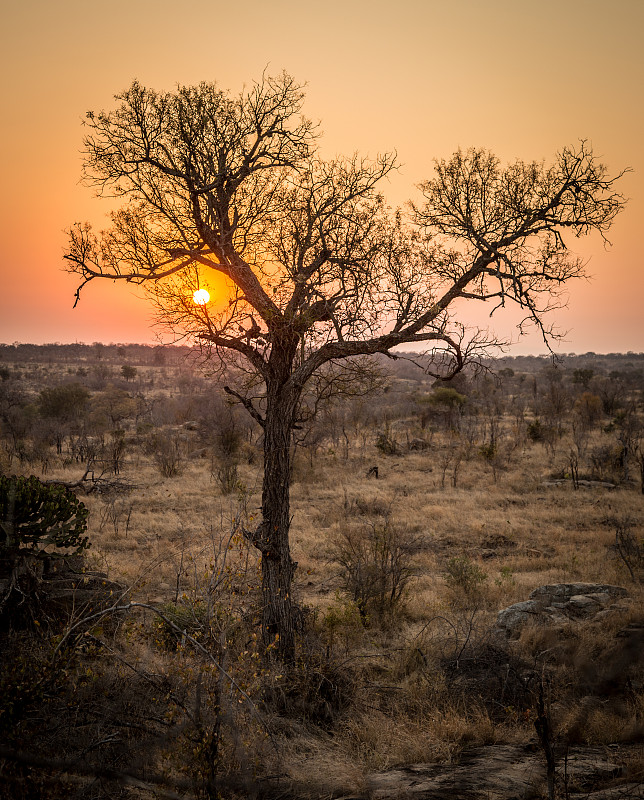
x=419 y=76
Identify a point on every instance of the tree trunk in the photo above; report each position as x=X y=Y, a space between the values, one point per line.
x=278 y=612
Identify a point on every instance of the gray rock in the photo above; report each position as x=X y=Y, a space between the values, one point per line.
x=559 y=603
x=494 y=772
x=564 y=591
x=517 y=615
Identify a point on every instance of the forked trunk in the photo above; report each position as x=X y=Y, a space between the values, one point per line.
x=278 y=613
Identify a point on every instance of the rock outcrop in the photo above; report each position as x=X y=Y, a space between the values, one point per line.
x=560 y=603
x=495 y=772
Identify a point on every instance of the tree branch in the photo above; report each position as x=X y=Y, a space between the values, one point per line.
x=248 y=405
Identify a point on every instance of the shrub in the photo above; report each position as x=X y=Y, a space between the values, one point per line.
x=227 y=475
x=488 y=451
x=168 y=454
x=35 y=517
x=465 y=580
x=536 y=432
x=64 y=402
x=228 y=442
x=628 y=547
x=606 y=461
x=342 y=623
x=375 y=562
x=190 y=618
x=387 y=445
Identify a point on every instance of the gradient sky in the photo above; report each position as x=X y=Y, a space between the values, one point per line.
x=421 y=77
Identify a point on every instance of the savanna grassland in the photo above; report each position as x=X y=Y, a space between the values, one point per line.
x=418 y=513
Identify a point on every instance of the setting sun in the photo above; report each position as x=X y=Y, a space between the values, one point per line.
x=201 y=297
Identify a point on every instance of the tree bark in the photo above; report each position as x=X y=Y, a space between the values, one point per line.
x=278 y=568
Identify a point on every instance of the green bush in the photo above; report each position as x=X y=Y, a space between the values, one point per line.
x=176 y=619
x=35 y=517
x=387 y=445
x=465 y=580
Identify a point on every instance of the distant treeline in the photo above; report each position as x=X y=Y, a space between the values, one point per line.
x=136 y=354
x=160 y=355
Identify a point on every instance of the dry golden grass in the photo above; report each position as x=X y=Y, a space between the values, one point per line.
x=160 y=538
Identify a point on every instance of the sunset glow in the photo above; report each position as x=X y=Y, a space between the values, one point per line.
x=424 y=100
x=201 y=297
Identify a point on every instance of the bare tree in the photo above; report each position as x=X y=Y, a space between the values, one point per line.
x=317 y=269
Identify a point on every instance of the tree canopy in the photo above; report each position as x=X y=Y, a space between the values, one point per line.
x=318 y=269
x=235 y=185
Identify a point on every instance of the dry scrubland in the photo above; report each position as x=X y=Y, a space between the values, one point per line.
x=397 y=663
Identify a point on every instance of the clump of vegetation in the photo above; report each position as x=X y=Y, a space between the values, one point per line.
x=375 y=566
x=342 y=624
x=465 y=580
x=628 y=547
x=39 y=519
x=168 y=454
x=387 y=445
x=175 y=620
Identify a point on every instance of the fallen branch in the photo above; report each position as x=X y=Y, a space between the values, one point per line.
x=92 y=483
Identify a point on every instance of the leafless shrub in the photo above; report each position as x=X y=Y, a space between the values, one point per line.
x=628 y=547
x=115 y=514
x=227 y=476
x=227 y=441
x=606 y=461
x=168 y=455
x=375 y=565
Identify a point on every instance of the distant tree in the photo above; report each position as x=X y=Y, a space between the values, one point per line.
x=583 y=376
x=65 y=402
x=64 y=407
x=16 y=418
x=111 y=407
x=449 y=402
x=588 y=407
x=128 y=372
x=317 y=270
x=612 y=393
x=158 y=357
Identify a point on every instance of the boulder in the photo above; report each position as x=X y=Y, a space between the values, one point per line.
x=558 y=603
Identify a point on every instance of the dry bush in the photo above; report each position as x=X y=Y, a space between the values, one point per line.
x=628 y=546
x=375 y=566
x=227 y=476
x=316 y=689
x=168 y=453
x=594 y=674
